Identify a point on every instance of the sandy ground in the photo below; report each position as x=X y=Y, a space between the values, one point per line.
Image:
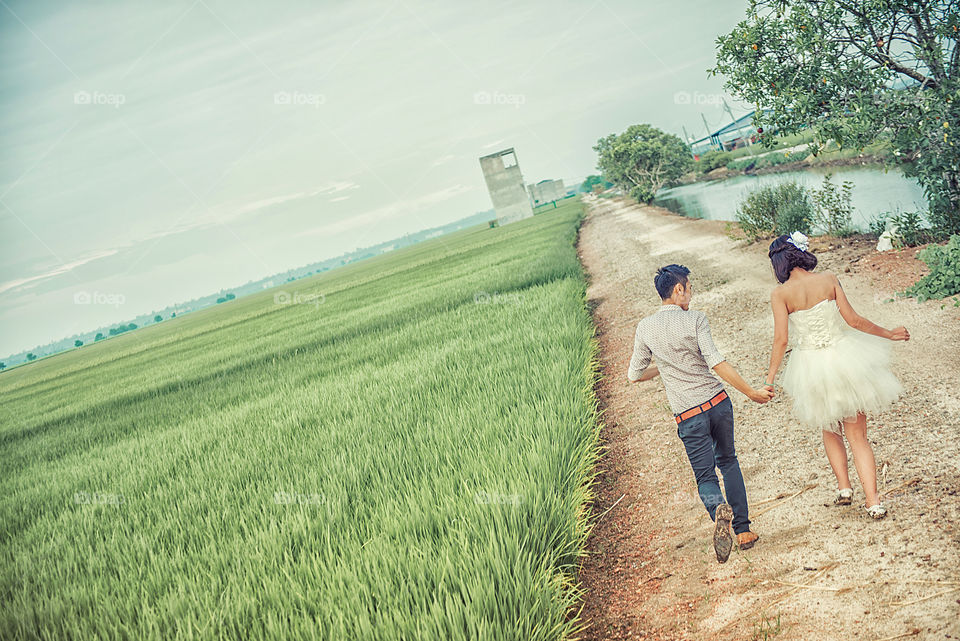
x=818 y=571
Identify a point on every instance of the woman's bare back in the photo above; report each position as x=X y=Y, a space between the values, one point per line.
x=803 y=290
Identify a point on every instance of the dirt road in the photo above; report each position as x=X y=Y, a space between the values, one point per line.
x=818 y=571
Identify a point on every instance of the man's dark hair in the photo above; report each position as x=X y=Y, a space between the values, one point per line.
x=784 y=256
x=668 y=277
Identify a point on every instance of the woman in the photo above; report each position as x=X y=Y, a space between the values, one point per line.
x=839 y=368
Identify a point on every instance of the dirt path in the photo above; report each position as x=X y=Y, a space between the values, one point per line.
x=650 y=570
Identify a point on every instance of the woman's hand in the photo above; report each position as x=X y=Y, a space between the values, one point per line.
x=760 y=395
x=899 y=334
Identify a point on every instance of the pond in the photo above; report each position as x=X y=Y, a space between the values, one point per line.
x=875 y=191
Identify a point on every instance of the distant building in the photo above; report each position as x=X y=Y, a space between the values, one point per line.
x=739 y=133
x=546 y=191
x=505 y=184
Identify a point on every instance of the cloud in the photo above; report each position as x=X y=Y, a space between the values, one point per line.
x=268 y=202
x=335 y=187
x=443 y=160
x=389 y=211
x=62 y=269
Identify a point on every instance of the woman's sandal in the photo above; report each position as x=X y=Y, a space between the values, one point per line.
x=844 y=497
x=877 y=511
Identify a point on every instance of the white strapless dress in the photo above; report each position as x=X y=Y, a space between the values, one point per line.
x=835 y=371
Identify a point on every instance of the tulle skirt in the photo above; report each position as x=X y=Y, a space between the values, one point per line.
x=835 y=382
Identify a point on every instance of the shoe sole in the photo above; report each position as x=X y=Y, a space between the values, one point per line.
x=722 y=539
x=747 y=546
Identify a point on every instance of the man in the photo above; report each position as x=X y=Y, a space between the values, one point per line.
x=680 y=341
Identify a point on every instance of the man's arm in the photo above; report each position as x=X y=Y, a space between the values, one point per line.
x=726 y=371
x=722 y=368
x=651 y=372
x=640 y=369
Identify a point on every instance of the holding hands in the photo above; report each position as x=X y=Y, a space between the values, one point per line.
x=762 y=395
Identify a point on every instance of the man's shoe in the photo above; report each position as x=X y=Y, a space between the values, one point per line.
x=722 y=539
x=745 y=540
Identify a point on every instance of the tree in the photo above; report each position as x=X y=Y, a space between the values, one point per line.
x=3 y=365
x=31 y=356
x=78 y=343
x=590 y=182
x=157 y=318
x=857 y=72
x=642 y=159
x=98 y=337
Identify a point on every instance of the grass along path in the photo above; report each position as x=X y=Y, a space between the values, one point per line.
x=397 y=449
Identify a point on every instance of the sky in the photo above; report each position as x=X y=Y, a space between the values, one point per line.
x=157 y=152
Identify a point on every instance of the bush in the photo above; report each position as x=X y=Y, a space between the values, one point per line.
x=945 y=218
x=834 y=213
x=642 y=193
x=910 y=229
x=713 y=159
x=944 y=277
x=878 y=225
x=769 y=160
x=774 y=210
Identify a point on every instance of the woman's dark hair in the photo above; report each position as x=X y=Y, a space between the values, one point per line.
x=784 y=256
x=667 y=278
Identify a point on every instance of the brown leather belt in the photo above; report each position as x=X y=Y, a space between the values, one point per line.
x=693 y=411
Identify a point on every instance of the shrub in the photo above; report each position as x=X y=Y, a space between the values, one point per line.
x=713 y=159
x=878 y=225
x=910 y=229
x=944 y=277
x=642 y=193
x=769 y=160
x=774 y=210
x=834 y=212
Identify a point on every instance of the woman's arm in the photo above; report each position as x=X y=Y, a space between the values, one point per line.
x=780 y=334
x=858 y=322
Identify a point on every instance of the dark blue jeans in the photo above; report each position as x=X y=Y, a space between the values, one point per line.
x=708 y=439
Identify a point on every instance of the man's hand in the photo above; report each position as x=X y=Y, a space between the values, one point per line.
x=651 y=372
x=725 y=371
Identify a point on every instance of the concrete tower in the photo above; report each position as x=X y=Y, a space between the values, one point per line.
x=505 y=184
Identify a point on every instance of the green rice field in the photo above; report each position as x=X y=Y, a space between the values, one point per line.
x=398 y=449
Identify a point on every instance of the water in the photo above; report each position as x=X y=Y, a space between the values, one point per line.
x=874 y=192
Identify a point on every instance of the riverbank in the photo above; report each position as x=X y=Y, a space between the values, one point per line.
x=875 y=193
x=818 y=572
x=810 y=162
